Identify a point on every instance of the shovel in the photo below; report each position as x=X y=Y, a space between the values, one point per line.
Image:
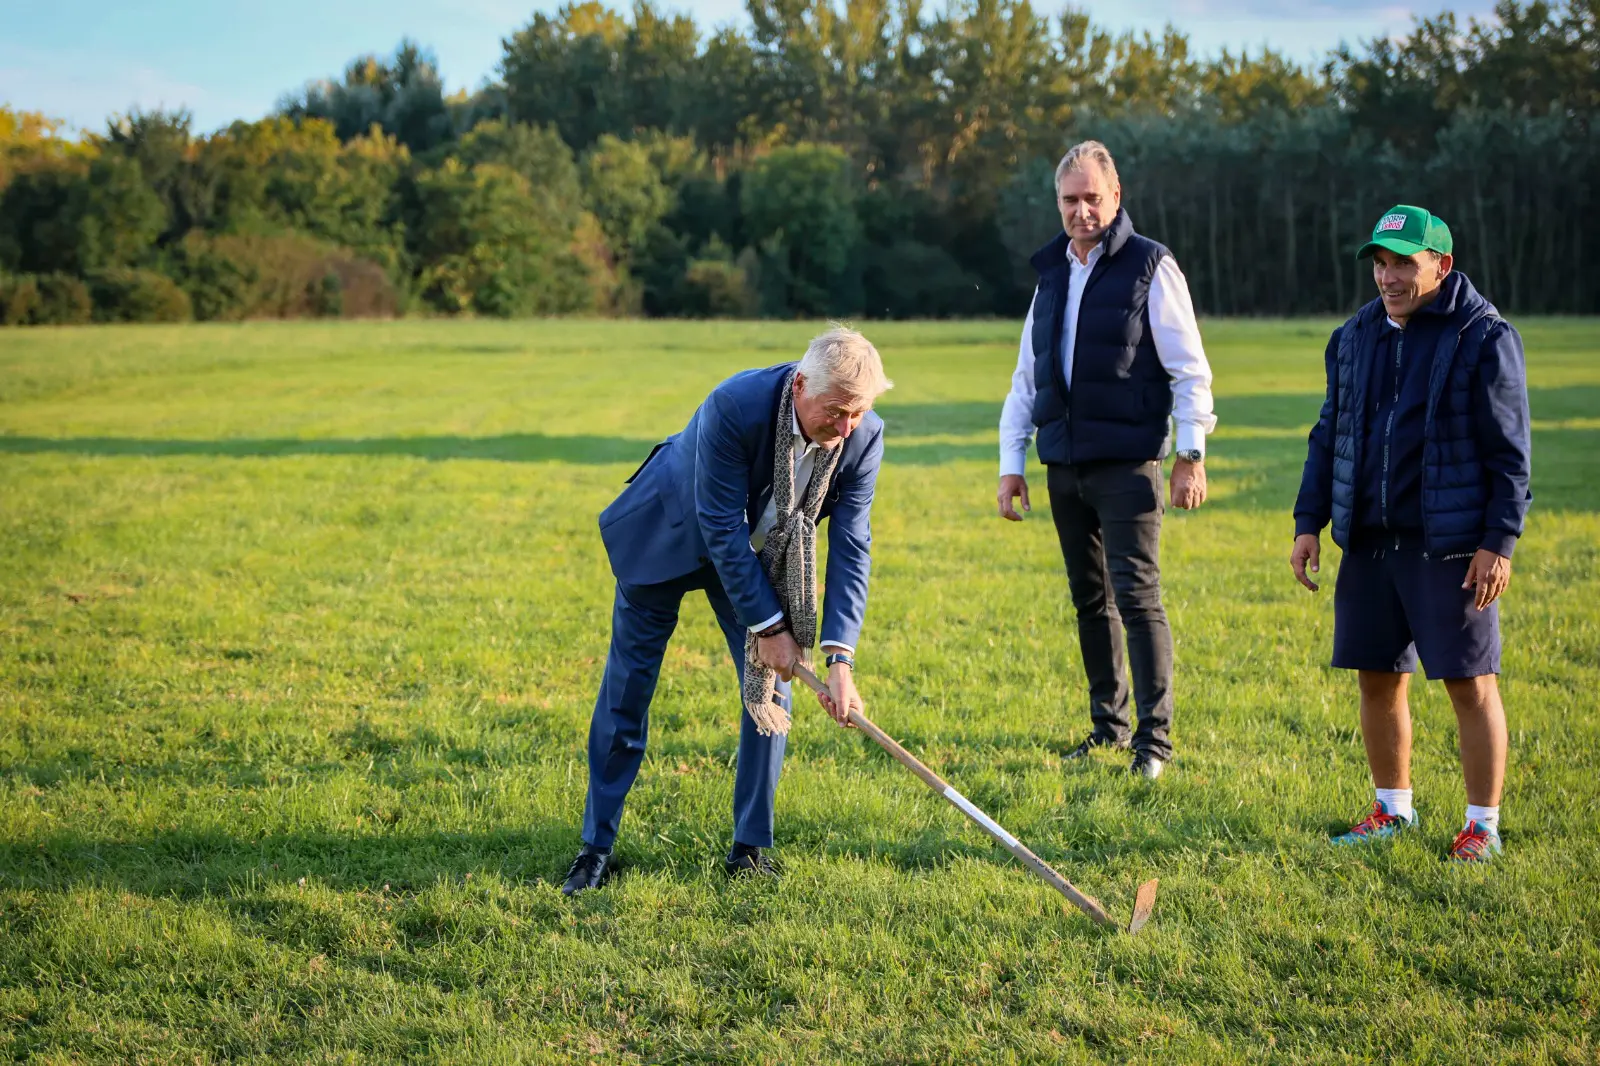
x=1144 y=899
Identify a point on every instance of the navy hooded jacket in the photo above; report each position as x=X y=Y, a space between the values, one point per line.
x=1475 y=435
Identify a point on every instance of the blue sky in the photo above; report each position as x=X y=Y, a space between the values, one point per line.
x=82 y=60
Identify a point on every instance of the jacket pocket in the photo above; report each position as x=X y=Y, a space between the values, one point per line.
x=633 y=498
x=653 y=452
x=671 y=504
x=1122 y=401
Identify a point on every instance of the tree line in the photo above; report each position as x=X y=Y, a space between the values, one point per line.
x=875 y=160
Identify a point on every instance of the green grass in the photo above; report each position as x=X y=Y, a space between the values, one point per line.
x=300 y=627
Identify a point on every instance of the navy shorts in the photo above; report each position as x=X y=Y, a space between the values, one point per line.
x=1390 y=605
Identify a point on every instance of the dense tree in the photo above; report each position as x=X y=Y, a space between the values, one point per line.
x=624 y=191
x=481 y=234
x=74 y=217
x=402 y=95
x=29 y=137
x=161 y=144
x=799 y=213
x=567 y=71
x=880 y=157
x=277 y=174
x=537 y=153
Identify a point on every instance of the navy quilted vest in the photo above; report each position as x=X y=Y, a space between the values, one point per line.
x=1119 y=401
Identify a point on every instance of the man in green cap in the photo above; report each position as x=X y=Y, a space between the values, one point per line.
x=1420 y=460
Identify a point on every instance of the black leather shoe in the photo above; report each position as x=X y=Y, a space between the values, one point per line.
x=1146 y=766
x=745 y=861
x=590 y=869
x=1093 y=741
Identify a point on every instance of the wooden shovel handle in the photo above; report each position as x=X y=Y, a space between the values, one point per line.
x=1088 y=904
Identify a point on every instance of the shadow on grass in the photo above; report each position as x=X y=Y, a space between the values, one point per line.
x=512 y=447
x=932 y=419
x=193 y=862
x=386 y=769
x=1263 y=474
x=204 y=863
x=508 y=448
x=1250 y=472
x=1260 y=468
x=991 y=769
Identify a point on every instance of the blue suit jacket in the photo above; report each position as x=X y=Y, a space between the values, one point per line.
x=696 y=497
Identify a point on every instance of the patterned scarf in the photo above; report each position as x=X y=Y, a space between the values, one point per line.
x=790 y=559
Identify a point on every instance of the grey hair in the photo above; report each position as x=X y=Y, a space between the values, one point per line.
x=1084 y=152
x=845 y=360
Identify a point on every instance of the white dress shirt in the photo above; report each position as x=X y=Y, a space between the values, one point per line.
x=1177 y=341
x=805 y=462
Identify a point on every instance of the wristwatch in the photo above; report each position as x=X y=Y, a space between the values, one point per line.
x=840 y=657
x=1192 y=455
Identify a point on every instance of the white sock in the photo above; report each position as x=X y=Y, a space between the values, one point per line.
x=1398 y=802
x=1487 y=817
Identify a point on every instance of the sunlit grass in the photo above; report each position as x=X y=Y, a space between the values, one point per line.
x=300 y=626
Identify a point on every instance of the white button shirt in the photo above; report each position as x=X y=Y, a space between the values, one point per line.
x=805 y=463
x=1177 y=340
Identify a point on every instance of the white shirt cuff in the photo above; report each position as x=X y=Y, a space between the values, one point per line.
x=1014 y=462
x=1191 y=437
x=774 y=620
x=847 y=649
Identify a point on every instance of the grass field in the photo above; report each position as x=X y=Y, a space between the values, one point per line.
x=300 y=626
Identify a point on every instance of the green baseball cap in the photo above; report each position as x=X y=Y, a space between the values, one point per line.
x=1407 y=230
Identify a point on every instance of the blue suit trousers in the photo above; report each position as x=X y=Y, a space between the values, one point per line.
x=643 y=618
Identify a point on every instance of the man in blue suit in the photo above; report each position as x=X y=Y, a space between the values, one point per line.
x=696 y=515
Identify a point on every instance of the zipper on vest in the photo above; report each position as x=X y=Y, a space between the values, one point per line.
x=1388 y=433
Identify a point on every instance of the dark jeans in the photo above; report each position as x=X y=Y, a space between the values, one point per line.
x=1108 y=516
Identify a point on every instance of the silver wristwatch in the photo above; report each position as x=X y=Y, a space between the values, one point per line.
x=1193 y=455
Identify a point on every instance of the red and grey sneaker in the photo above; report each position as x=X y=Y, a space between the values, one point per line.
x=1378 y=823
x=1475 y=843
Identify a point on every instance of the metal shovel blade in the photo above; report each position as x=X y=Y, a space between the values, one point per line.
x=1144 y=901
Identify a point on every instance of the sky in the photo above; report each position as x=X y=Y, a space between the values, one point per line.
x=83 y=60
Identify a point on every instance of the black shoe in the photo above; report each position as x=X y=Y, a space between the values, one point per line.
x=746 y=861
x=1146 y=766
x=1092 y=741
x=590 y=869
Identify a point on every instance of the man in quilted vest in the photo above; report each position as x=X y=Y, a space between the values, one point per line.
x=1110 y=357
x=1420 y=460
